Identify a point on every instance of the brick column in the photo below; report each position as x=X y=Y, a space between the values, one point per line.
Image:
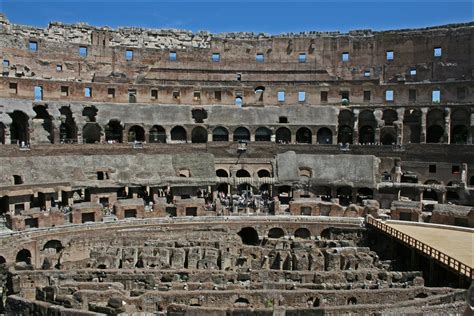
x=424 y=111
x=355 y=134
x=447 y=125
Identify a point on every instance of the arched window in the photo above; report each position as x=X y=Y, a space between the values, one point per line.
x=220 y=134
x=276 y=232
x=324 y=136
x=249 y=236
x=199 y=135
x=241 y=133
x=157 y=134
x=283 y=135
x=23 y=255
x=242 y=173
x=178 y=133
x=263 y=134
x=302 y=233
x=136 y=133
x=221 y=173
x=263 y=173
x=91 y=133
x=303 y=136
x=113 y=131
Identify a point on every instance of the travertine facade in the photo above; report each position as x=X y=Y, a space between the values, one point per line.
x=178 y=172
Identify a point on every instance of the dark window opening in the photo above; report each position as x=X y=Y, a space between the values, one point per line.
x=461 y=93
x=176 y=95
x=87 y=217
x=132 y=96
x=130 y=214
x=249 y=236
x=154 y=94
x=345 y=95
x=197 y=96
x=324 y=96
x=412 y=95
x=64 y=91
x=13 y=86
x=111 y=93
x=191 y=211
x=432 y=168
x=455 y=169
x=367 y=95
x=218 y=95
x=17 y=179
x=283 y=119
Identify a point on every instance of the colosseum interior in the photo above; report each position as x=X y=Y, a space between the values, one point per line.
x=165 y=172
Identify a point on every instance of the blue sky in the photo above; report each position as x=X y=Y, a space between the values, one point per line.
x=245 y=15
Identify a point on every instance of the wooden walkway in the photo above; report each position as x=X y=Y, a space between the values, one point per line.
x=452 y=248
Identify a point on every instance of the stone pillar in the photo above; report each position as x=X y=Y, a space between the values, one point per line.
x=56 y=132
x=424 y=112
x=354 y=195
x=399 y=125
x=380 y=124
x=398 y=171
x=79 y=139
x=447 y=125
x=7 y=135
x=470 y=135
x=124 y=135
x=209 y=136
x=355 y=134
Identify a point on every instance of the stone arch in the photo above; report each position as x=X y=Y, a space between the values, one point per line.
x=460 y=121
x=264 y=173
x=276 y=232
x=3 y=260
x=249 y=236
x=389 y=116
x=283 y=135
x=199 y=135
x=136 y=133
x=388 y=136
x=367 y=125
x=242 y=173
x=68 y=127
x=241 y=133
x=412 y=126
x=23 y=255
x=263 y=134
x=302 y=233
x=19 y=127
x=220 y=134
x=345 y=127
x=91 y=133
x=345 y=195
x=326 y=233
x=241 y=302
x=304 y=136
x=435 y=126
x=43 y=125
x=221 y=173
x=53 y=244
x=178 y=133
x=157 y=134
x=90 y=112
x=114 y=131
x=305 y=172
x=324 y=136
x=351 y=301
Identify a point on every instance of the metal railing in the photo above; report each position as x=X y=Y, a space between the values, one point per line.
x=441 y=257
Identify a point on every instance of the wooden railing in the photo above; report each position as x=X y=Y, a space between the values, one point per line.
x=441 y=257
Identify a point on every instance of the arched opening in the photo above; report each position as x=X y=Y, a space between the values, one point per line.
x=223 y=188
x=91 y=133
x=388 y=136
x=114 y=132
x=221 y=173
x=19 y=127
x=68 y=128
x=157 y=135
x=459 y=134
x=303 y=233
x=263 y=173
x=303 y=135
x=178 y=133
x=283 y=135
x=345 y=135
x=316 y=302
x=367 y=125
x=241 y=133
x=389 y=116
x=43 y=120
x=263 y=134
x=460 y=122
x=199 y=135
x=238 y=101
x=2 y=260
x=23 y=255
x=326 y=234
x=90 y=112
x=452 y=197
x=305 y=172
x=430 y=195
x=435 y=129
x=364 y=194
x=434 y=134
x=276 y=232
x=249 y=236
x=412 y=126
x=55 y=245
x=345 y=127
x=344 y=195
x=352 y=301
x=220 y=134
x=471 y=181
x=324 y=136
x=2 y=133
x=242 y=173
x=241 y=302
x=136 y=133
x=366 y=135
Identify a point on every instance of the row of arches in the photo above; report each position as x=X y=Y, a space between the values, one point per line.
x=242 y=173
x=250 y=236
